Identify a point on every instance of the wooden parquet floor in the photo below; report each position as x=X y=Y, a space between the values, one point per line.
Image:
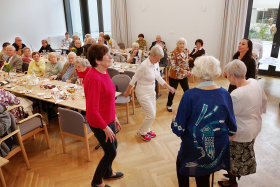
x=145 y=164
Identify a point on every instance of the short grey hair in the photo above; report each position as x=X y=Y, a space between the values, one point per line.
x=157 y=51
x=236 y=68
x=72 y=53
x=53 y=54
x=11 y=47
x=78 y=41
x=25 y=48
x=181 y=40
x=75 y=36
x=134 y=44
x=82 y=61
x=90 y=39
x=206 y=68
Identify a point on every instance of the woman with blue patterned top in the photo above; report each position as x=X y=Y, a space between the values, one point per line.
x=204 y=122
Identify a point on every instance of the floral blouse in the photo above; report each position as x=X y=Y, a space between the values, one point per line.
x=7 y=99
x=179 y=62
x=142 y=44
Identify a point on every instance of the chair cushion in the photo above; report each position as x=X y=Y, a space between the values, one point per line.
x=29 y=125
x=121 y=99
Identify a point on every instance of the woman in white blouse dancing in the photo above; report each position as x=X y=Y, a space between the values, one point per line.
x=145 y=76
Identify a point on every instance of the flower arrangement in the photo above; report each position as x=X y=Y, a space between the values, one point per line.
x=7 y=67
x=110 y=43
x=73 y=49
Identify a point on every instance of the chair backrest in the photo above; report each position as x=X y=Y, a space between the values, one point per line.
x=72 y=122
x=24 y=66
x=112 y=72
x=129 y=73
x=121 y=45
x=121 y=82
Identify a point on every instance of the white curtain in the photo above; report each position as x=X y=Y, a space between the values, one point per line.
x=235 y=15
x=120 y=22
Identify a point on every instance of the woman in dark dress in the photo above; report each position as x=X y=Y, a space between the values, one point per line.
x=196 y=52
x=79 y=50
x=244 y=54
x=46 y=47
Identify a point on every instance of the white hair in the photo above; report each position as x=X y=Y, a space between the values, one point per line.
x=206 y=68
x=82 y=61
x=78 y=41
x=72 y=53
x=157 y=51
x=11 y=47
x=134 y=44
x=181 y=40
x=236 y=68
x=90 y=39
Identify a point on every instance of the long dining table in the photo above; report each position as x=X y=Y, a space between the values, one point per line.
x=40 y=90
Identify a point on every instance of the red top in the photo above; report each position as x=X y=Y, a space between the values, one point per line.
x=100 y=99
x=84 y=73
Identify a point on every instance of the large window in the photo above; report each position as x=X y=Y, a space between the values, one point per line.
x=262 y=23
x=88 y=16
x=76 y=18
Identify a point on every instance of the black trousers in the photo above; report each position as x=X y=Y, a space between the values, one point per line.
x=104 y=168
x=174 y=83
x=183 y=181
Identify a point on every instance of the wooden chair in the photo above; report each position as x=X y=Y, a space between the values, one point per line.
x=3 y=162
x=17 y=141
x=73 y=124
x=121 y=82
x=31 y=125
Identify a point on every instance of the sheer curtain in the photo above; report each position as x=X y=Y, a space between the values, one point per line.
x=235 y=15
x=120 y=22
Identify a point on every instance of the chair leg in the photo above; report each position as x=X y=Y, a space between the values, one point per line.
x=23 y=150
x=86 y=141
x=87 y=147
x=2 y=178
x=133 y=102
x=127 y=112
x=63 y=144
x=47 y=135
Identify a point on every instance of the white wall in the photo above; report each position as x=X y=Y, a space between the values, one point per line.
x=32 y=20
x=179 y=18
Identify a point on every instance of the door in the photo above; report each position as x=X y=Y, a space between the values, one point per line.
x=261 y=28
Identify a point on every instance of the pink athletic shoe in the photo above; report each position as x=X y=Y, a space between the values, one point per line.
x=151 y=134
x=144 y=137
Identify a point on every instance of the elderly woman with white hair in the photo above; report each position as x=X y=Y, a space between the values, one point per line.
x=204 y=122
x=135 y=56
x=78 y=49
x=178 y=72
x=82 y=67
x=145 y=76
x=248 y=109
x=53 y=66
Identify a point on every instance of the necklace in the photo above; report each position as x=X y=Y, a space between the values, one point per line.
x=206 y=83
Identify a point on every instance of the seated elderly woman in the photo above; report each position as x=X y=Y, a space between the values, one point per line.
x=142 y=43
x=45 y=47
x=248 y=110
x=37 y=66
x=135 y=56
x=111 y=42
x=53 y=67
x=82 y=67
x=196 y=52
x=26 y=57
x=78 y=49
x=204 y=122
x=68 y=73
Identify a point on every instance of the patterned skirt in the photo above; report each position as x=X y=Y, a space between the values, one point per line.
x=242 y=158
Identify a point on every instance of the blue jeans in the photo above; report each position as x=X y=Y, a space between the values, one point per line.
x=104 y=168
